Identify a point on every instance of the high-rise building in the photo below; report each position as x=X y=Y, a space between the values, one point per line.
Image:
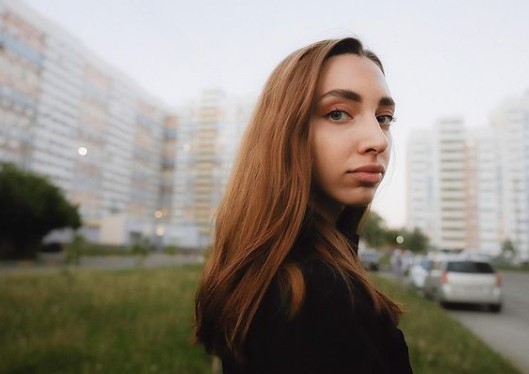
x=479 y=182
x=511 y=122
x=68 y=115
x=420 y=199
x=451 y=186
x=451 y=177
x=137 y=169
x=22 y=47
x=207 y=171
x=209 y=132
x=483 y=192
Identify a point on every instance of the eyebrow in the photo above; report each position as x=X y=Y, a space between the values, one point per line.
x=353 y=96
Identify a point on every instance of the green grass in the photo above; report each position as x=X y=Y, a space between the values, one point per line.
x=139 y=321
x=438 y=343
x=136 y=321
x=521 y=268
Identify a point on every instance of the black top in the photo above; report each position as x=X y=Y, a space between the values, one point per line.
x=330 y=334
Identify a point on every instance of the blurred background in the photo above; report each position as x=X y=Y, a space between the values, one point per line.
x=119 y=121
x=135 y=109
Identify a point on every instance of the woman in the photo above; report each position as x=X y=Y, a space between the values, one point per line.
x=283 y=290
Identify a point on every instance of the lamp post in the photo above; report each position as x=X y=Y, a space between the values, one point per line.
x=159 y=230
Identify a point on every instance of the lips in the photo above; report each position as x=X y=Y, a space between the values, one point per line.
x=369 y=168
x=370 y=174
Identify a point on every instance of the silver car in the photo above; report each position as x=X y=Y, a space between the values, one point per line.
x=463 y=279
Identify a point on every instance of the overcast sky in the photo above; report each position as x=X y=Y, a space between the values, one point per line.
x=442 y=58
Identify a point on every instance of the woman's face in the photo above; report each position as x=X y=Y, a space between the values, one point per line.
x=351 y=131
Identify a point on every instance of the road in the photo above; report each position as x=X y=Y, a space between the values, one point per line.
x=508 y=331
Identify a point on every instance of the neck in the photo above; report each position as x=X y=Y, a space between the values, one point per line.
x=328 y=208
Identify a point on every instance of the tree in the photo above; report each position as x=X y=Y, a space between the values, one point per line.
x=30 y=207
x=374 y=230
x=390 y=238
x=507 y=248
x=416 y=241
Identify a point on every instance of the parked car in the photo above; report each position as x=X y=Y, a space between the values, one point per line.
x=418 y=272
x=464 y=279
x=370 y=259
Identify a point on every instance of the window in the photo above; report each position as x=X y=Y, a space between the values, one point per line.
x=470 y=267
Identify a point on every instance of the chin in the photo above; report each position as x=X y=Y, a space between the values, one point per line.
x=359 y=199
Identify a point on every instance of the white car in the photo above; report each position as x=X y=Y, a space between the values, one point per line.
x=464 y=279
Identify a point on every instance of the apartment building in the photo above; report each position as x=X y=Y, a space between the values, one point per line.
x=452 y=186
x=483 y=190
x=476 y=181
x=137 y=169
x=450 y=174
x=511 y=124
x=22 y=48
x=209 y=132
x=420 y=197
x=68 y=115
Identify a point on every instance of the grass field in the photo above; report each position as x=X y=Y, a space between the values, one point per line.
x=136 y=321
x=139 y=321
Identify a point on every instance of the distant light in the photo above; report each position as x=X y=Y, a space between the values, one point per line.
x=83 y=151
x=160 y=231
x=158 y=214
x=399 y=239
x=186 y=147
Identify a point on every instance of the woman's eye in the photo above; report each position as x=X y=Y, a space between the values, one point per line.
x=338 y=115
x=385 y=120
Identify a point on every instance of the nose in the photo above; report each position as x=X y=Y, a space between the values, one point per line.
x=373 y=138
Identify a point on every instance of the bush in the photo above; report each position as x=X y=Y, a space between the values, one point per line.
x=31 y=207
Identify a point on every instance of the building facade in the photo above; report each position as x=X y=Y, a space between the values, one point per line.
x=137 y=170
x=469 y=187
x=209 y=132
x=511 y=125
x=68 y=115
x=420 y=198
x=451 y=179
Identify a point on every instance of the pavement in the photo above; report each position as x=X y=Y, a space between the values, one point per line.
x=102 y=263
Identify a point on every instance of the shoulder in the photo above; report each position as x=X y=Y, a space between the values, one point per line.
x=323 y=282
x=324 y=290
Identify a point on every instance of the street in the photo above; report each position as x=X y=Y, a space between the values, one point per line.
x=506 y=332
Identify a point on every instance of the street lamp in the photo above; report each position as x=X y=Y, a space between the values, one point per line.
x=159 y=228
x=83 y=151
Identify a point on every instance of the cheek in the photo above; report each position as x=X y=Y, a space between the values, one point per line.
x=330 y=144
x=323 y=159
x=386 y=155
x=329 y=160
x=324 y=152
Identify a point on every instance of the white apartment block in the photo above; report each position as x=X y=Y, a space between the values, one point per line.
x=209 y=132
x=476 y=181
x=69 y=116
x=449 y=170
x=451 y=186
x=420 y=198
x=511 y=123
x=136 y=169
x=483 y=190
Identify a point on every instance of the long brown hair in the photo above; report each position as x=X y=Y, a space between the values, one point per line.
x=269 y=205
